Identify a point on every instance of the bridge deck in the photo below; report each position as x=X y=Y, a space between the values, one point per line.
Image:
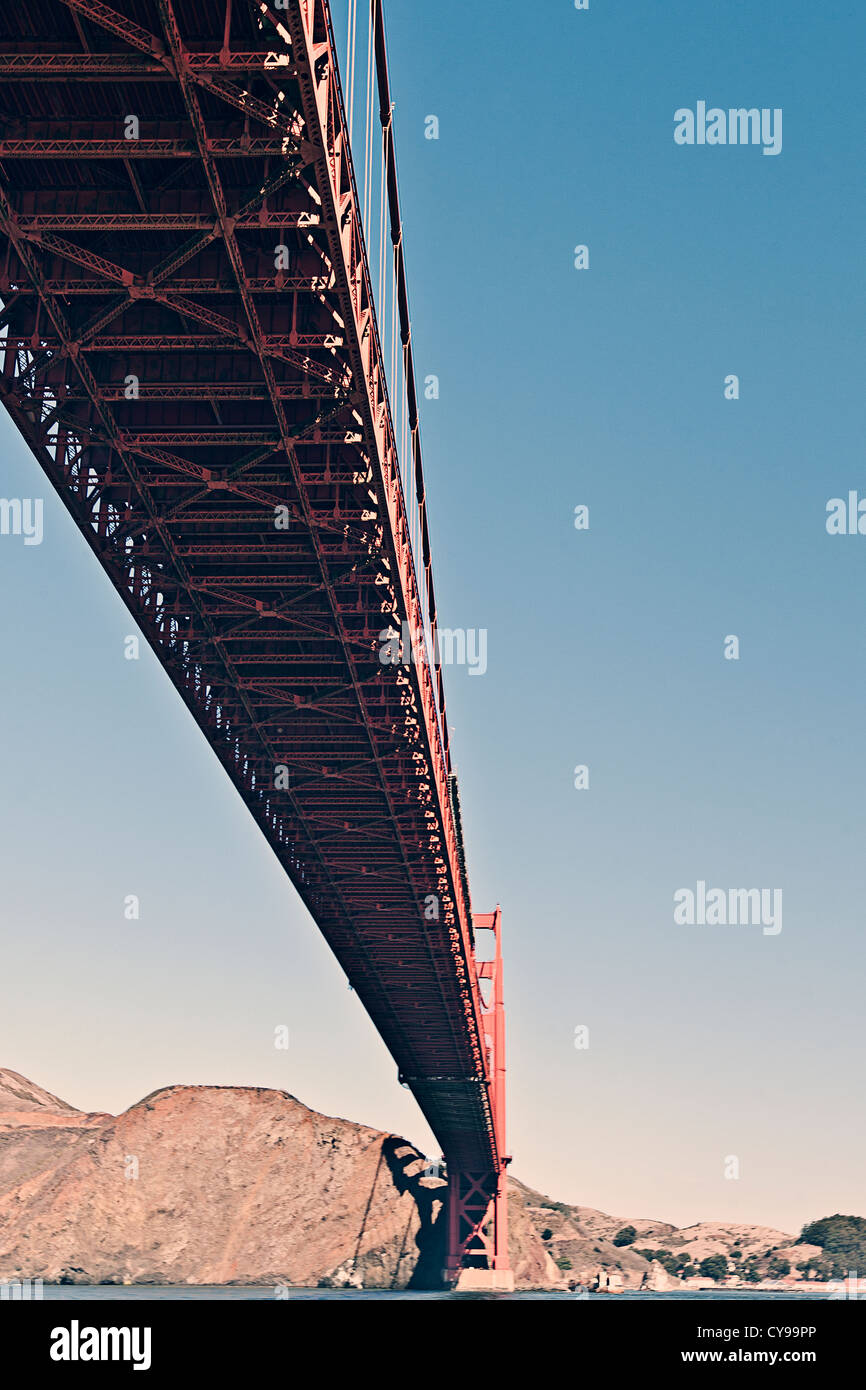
x=181 y=380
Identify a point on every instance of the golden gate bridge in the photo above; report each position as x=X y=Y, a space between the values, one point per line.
x=215 y=372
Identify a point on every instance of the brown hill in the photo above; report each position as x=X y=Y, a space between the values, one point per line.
x=201 y=1184
x=20 y=1096
x=23 y=1103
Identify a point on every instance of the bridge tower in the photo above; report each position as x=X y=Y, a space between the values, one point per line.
x=477 y=1251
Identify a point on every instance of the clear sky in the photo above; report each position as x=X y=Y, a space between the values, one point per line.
x=558 y=387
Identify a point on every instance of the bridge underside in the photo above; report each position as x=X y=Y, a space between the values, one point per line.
x=192 y=355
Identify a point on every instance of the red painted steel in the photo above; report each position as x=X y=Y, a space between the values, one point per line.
x=478 y=1199
x=208 y=397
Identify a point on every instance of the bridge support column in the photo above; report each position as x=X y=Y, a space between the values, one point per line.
x=478 y=1231
x=477 y=1256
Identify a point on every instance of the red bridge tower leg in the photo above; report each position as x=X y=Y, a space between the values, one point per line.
x=478 y=1201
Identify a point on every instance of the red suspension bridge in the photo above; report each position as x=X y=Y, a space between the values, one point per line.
x=192 y=349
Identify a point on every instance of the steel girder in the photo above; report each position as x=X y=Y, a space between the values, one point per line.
x=174 y=433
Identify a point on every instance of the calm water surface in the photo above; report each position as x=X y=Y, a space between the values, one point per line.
x=209 y=1292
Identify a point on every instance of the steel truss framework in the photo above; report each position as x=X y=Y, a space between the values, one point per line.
x=208 y=398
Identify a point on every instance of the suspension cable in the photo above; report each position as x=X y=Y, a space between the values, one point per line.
x=401 y=298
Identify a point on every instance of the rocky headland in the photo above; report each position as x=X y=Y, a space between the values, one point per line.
x=213 y=1185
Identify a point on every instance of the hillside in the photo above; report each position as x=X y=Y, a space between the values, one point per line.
x=209 y=1184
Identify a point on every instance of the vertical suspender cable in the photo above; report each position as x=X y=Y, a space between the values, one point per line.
x=382 y=255
x=350 y=61
x=368 y=124
x=402 y=305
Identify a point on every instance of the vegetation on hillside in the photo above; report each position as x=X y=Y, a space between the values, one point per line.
x=842 y=1238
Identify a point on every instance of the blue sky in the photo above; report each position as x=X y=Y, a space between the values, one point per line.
x=605 y=647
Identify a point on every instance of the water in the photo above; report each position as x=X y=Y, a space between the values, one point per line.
x=143 y=1293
